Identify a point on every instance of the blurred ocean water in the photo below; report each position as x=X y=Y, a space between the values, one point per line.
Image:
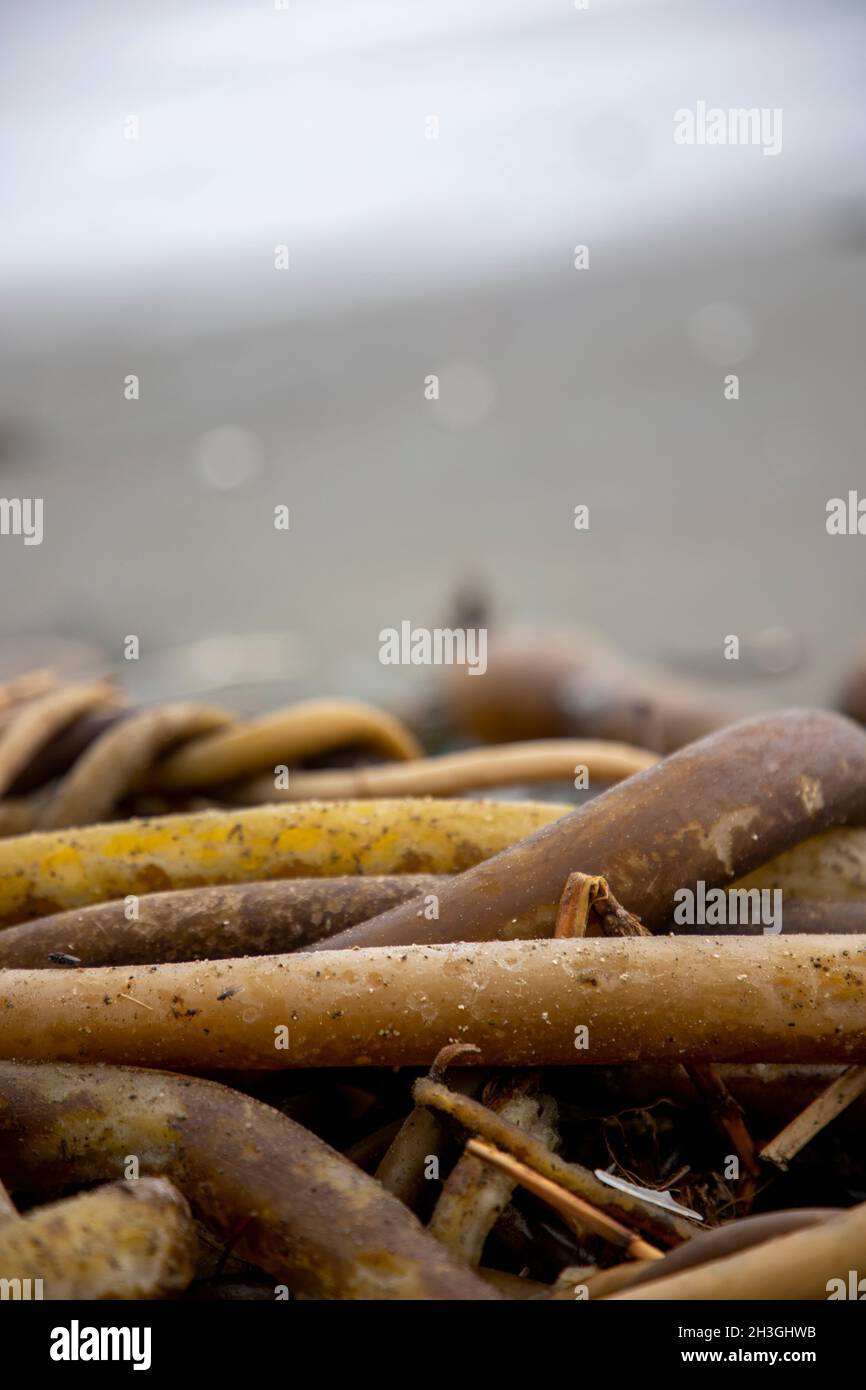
x=308 y=127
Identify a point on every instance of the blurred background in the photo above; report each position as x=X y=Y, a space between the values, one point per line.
x=308 y=126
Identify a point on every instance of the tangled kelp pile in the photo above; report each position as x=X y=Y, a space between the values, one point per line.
x=270 y=1028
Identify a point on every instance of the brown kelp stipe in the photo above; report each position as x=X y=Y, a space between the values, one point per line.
x=286 y=1201
x=800 y=918
x=476 y=769
x=297 y=731
x=799 y=1265
x=211 y=923
x=712 y=812
x=38 y=720
x=221 y=921
x=707 y=1246
x=732 y=1237
x=572 y=684
x=521 y=1003
x=111 y=766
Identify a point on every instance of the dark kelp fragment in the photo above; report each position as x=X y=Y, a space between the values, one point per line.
x=210 y=923
x=284 y=1200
